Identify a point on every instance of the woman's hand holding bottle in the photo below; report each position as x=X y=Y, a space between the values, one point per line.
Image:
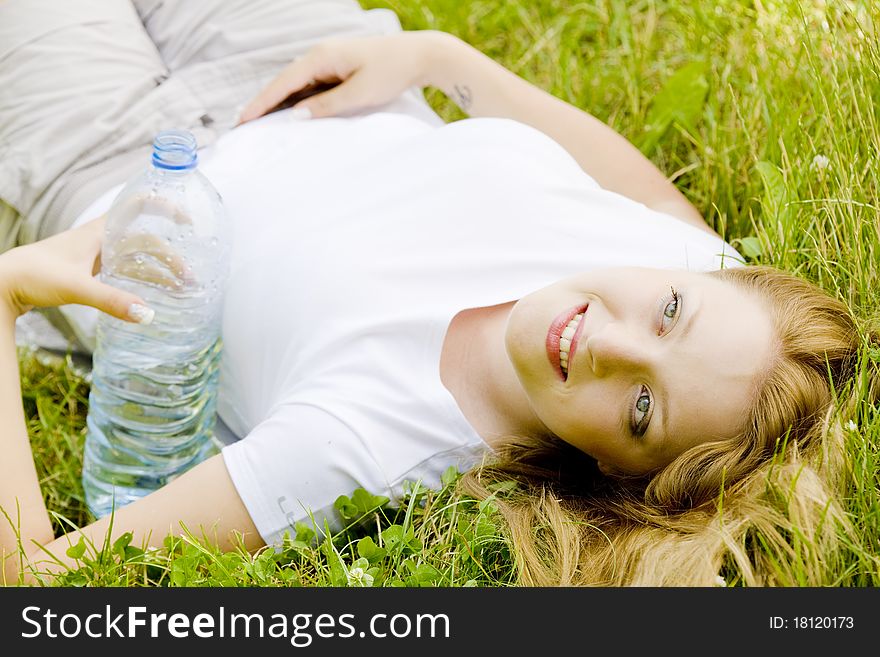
x=60 y=270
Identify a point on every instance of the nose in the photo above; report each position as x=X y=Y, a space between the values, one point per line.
x=617 y=348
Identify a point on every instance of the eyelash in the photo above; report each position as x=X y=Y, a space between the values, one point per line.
x=639 y=430
x=676 y=299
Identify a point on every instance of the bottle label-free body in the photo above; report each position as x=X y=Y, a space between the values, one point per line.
x=153 y=399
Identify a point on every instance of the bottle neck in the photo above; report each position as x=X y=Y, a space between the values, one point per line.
x=175 y=151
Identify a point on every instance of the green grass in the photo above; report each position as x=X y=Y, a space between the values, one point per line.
x=740 y=102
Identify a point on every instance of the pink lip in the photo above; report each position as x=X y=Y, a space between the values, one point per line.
x=555 y=334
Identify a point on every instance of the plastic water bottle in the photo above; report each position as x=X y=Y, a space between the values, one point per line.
x=153 y=398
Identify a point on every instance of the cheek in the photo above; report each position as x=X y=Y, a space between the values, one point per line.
x=526 y=348
x=515 y=340
x=566 y=414
x=588 y=414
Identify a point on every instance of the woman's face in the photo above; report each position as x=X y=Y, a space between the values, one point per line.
x=633 y=366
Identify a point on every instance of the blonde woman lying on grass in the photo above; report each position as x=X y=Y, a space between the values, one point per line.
x=521 y=294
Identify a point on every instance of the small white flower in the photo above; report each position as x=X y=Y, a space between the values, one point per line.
x=720 y=581
x=359 y=577
x=852 y=426
x=820 y=163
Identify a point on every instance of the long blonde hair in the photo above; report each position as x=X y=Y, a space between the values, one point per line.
x=699 y=518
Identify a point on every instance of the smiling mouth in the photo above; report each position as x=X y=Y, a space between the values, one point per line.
x=562 y=339
x=567 y=343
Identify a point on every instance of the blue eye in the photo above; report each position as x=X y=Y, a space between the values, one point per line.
x=640 y=412
x=670 y=311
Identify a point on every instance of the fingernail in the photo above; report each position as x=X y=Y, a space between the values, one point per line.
x=244 y=114
x=300 y=113
x=140 y=313
x=239 y=113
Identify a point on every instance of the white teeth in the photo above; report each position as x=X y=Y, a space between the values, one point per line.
x=565 y=341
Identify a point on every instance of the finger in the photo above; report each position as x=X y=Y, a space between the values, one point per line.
x=294 y=77
x=149 y=248
x=95 y=226
x=148 y=271
x=82 y=243
x=122 y=305
x=350 y=96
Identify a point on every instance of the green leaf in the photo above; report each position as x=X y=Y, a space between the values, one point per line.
x=226 y=570
x=488 y=505
x=368 y=549
x=78 y=580
x=776 y=195
x=392 y=535
x=78 y=550
x=172 y=543
x=750 y=247
x=423 y=574
x=449 y=476
x=132 y=553
x=334 y=561
x=774 y=184
x=182 y=570
x=290 y=577
x=121 y=543
x=304 y=533
x=679 y=102
x=399 y=541
x=485 y=527
x=376 y=574
x=264 y=567
x=346 y=508
x=359 y=504
x=178 y=577
x=367 y=503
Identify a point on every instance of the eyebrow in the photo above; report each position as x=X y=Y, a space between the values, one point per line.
x=664 y=405
x=689 y=322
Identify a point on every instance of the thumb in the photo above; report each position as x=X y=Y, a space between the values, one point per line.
x=118 y=303
x=350 y=96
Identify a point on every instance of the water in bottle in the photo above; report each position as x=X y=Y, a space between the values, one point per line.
x=152 y=403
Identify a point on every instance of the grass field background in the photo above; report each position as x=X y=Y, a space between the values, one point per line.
x=763 y=112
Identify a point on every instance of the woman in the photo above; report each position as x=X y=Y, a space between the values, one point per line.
x=526 y=284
